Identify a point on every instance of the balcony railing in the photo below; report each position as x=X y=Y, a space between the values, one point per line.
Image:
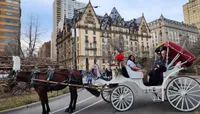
x=90 y=48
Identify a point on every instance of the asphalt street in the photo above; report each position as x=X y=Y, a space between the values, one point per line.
x=88 y=104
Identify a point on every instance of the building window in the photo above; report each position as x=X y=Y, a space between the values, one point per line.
x=9 y=40
x=94 y=39
x=108 y=41
x=10 y=34
x=11 y=27
x=86 y=52
x=95 y=52
x=11 y=21
x=11 y=14
x=86 y=45
x=94 y=32
x=86 y=31
x=86 y=38
x=103 y=60
x=103 y=40
x=146 y=39
x=103 y=53
x=103 y=47
x=13 y=1
x=95 y=45
x=12 y=8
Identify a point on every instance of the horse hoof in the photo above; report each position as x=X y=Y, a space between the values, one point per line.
x=71 y=111
x=45 y=113
x=67 y=110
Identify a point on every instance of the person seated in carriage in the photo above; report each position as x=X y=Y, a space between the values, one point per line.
x=133 y=66
x=156 y=74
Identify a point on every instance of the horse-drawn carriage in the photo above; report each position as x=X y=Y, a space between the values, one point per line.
x=183 y=93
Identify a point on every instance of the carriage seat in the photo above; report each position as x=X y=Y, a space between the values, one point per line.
x=133 y=74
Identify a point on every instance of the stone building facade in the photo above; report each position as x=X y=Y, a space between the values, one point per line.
x=163 y=29
x=98 y=38
x=45 y=50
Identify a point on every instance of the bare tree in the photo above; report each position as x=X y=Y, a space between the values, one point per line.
x=32 y=34
x=192 y=47
x=196 y=47
x=114 y=46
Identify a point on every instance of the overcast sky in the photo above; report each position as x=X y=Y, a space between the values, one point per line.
x=128 y=9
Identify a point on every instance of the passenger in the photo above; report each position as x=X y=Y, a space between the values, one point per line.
x=155 y=75
x=158 y=72
x=132 y=65
x=157 y=62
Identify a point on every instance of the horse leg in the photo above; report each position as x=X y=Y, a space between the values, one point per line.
x=43 y=107
x=75 y=98
x=69 y=109
x=41 y=94
x=47 y=103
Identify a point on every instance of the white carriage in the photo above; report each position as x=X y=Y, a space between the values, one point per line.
x=182 y=92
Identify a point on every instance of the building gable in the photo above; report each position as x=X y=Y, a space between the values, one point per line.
x=89 y=16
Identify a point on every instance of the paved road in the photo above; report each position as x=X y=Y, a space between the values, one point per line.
x=88 y=104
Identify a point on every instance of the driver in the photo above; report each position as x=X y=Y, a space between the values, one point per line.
x=132 y=65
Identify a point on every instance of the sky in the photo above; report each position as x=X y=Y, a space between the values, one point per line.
x=128 y=9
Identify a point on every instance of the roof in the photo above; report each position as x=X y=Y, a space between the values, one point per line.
x=114 y=19
x=172 y=22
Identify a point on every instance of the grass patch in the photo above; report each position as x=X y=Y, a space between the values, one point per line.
x=16 y=101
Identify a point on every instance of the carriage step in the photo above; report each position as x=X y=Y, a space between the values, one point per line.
x=156 y=97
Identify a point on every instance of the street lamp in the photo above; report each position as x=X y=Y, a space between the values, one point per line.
x=75 y=64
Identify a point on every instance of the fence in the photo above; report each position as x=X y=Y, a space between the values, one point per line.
x=2 y=80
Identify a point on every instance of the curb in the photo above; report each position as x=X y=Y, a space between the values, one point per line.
x=30 y=105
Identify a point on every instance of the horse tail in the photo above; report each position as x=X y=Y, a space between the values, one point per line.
x=94 y=92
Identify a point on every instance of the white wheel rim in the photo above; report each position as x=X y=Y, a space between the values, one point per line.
x=183 y=93
x=106 y=93
x=122 y=98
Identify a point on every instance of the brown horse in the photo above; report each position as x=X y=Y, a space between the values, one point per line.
x=74 y=77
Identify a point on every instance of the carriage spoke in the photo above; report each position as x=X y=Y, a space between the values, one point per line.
x=186 y=102
x=122 y=104
x=118 y=102
x=185 y=84
x=129 y=99
x=193 y=87
x=175 y=99
x=189 y=85
x=179 y=101
x=174 y=95
x=190 y=101
x=115 y=98
x=193 y=98
x=181 y=84
x=193 y=91
x=174 y=91
x=125 y=103
x=182 y=106
x=177 y=85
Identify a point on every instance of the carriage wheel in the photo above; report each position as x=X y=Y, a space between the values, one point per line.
x=105 y=93
x=183 y=93
x=122 y=98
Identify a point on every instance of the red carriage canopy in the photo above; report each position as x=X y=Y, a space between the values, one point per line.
x=174 y=49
